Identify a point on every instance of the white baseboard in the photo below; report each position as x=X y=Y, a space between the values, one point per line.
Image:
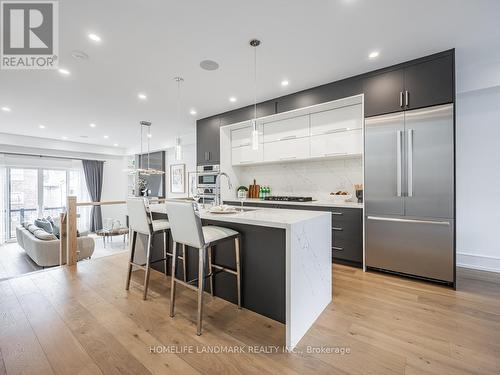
x=478 y=262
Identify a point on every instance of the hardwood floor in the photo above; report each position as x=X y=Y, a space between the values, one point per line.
x=14 y=262
x=82 y=321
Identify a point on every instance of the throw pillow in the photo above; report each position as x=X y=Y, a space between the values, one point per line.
x=56 y=231
x=32 y=228
x=44 y=224
x=43 y=235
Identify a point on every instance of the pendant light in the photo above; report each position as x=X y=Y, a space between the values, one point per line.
x=255 y=131
x=178 y=146
x=141 y=169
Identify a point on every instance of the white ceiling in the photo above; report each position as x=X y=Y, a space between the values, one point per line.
x=146 y=43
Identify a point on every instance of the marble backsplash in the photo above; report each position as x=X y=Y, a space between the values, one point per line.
x=309 y=178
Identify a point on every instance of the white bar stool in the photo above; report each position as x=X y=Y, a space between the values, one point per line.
x=140 y=221
x=186 y=228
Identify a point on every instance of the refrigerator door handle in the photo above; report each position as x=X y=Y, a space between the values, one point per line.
x=410 y=162
x=399 y=174
x=410 y=221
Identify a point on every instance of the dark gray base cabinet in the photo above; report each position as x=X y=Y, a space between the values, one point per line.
x=347 y=229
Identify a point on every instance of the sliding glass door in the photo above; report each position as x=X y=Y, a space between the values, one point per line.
x=37 y=192
x=54 y=192
x=23 y=198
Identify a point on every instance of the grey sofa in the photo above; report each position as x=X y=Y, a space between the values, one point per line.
x=45 y=253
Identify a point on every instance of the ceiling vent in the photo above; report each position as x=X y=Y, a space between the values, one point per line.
x=79 y=55
x=209 y=65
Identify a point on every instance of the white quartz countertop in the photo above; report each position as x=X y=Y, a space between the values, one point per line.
x=267 y=217
x=318 y=203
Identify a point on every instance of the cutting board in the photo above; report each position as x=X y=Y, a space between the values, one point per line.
x=253 y=190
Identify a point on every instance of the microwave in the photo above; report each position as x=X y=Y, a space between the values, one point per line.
x=207 y=174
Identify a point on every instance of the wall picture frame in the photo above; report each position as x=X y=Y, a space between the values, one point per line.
x=178 y=178
x=192 y=184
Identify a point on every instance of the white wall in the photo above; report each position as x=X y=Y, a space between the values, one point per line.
x=478 y=178
x=114 y=188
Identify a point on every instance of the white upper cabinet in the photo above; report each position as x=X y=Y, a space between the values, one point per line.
x=337 y=120
x=247 y=155
x=339 y=144
x=334 y=129
x=287 y=150
x=242 y=136
x=290 y=128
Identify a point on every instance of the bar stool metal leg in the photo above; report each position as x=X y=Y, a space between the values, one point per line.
x=172 y=287
x=237 y=242
x=184 y=257
x=201 y=286
x=146 y=275
x=210 y=270
x=132 y=253
x=165 y=252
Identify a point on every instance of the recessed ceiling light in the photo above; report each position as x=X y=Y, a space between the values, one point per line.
x=106 y=136
x=94 y=37
x=373 y=54
x=115 y=144
x=6 y=109
x=64 y=137
x=92 y=125
x=284 y=82
x=64 y=72
x=193 y=112
x=232 y=99
x=41 y=126
x=142 y=96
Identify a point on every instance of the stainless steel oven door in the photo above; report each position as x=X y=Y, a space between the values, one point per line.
x=207 y=179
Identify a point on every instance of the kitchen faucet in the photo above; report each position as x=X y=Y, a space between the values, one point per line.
x=217 y=187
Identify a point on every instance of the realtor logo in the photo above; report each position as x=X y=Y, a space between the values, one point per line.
x=29 y=37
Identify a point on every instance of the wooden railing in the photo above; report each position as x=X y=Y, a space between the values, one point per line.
x=68 y=248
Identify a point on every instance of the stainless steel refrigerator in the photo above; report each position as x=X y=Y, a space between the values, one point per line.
x=410 y=194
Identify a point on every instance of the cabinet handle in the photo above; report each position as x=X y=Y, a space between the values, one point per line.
x=289 y=158
x=337 y=248
x=335 y=153
x=340 y=130
x=337 y=213
x=407 y=98
x=287 y=138
x=337 y=229
x=411 y=221
x=245 y=144
x=245 y=161
x=401 y=99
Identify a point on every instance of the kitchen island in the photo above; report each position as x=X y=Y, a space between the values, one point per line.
x=285 y=260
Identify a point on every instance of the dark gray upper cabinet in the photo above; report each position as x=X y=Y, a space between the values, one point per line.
x=208 y=141
x=416 y=84
x=383 y=93
x=247 y=113
x=321 y=94
x=430 y=83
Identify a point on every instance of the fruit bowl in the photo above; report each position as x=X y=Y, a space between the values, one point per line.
x=340 y=198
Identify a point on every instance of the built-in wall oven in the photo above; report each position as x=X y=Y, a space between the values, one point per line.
x=206 y=176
